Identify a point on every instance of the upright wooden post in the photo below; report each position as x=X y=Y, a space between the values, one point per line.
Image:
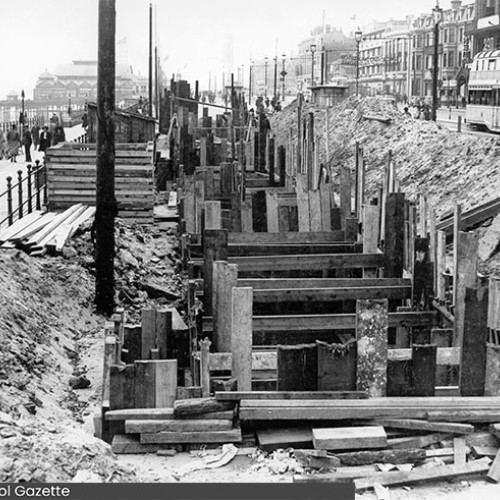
x=282 y=165
x=475 y=337
x=272 y=212
x=492 y=375
x=466 y=277
x=337 y=366
x=440 y=265
x=372 y=325
x=297 y=367
x=214 y=248
x=165 y=383
x=303 y=203
x=225 y=279
x=422 y=277
x=345 y=194
x=326 y=210
x=259 y=217
x=457 y=222
x=423 y=363
x=394 y=236
x=105 y=160
x=241 y=338
x=270 y=161
x=370 y=227
x=213 y=215
x=315 y=210
x=205 y=367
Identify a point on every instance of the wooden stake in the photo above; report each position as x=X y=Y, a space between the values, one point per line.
x=241 y=338
x=205 y=367
x=165 y=383
x=371 y=333
x=213 y=215
x=214 y=248
x=394 y=235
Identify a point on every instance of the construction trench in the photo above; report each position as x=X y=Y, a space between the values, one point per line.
x=318 y=317
x=329 y=318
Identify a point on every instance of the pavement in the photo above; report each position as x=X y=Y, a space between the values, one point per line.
x=8 y=168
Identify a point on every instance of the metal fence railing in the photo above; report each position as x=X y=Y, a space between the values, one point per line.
x=27 y=194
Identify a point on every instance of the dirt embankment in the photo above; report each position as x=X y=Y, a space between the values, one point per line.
x=445 y=166
x=50 y=336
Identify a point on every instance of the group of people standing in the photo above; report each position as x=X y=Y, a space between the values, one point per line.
x=41 y=139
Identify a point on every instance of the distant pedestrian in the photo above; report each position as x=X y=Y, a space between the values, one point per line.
x=407 y=112
x=13 y=143
x=35 y=135
x=27 y=141
x=59 y=135
x=54 y=119
x=85 y=121
x=45 y=139
x=2 y=144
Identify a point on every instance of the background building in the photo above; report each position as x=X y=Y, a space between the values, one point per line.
x=453 y=50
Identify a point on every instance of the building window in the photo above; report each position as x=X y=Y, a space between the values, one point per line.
x=445 y=39
x=445 y=59
x=451 y=35
x=460 y=59
x=451 y=59
x=419 y=62
x=460 y=35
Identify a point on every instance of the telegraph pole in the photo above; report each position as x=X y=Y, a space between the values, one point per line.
x=105 y=175
x=150 y=99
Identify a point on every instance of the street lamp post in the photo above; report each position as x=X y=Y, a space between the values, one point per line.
x=313 y=50
x=266 y=60
x=275 y=78
x=358 y=36
x=250 y=82
x=283 y=75
x=437 y=13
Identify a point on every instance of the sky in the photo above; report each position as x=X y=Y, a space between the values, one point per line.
x=192 y=35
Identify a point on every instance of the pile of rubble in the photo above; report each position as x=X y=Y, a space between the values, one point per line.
x=446 y=166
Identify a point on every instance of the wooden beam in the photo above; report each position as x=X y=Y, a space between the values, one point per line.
x=349 y=438
x=170 y=425
x=406 y=456
x=230 y=436
x=475 y=335
x=286 y=395
x=372 y=325
x=287 y=237
x=289 y=283
x=330 y=294
x=423 y=364
x=440 y=472
x=241 y=337
x=316 y=262
x=337 y=366
x=297 y=367
x=423 y=425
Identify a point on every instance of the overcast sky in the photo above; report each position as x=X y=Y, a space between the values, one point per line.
x=192 y=34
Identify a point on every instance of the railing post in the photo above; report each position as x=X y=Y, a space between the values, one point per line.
x=9 y=199
x=45 y=194
x=20 y=192
x=30 y=194
x=37 y=185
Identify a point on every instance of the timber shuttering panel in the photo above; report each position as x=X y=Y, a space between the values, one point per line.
x=71 y=178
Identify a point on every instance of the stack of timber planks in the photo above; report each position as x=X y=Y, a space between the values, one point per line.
x=188 y=424
x=71 y=178
x=39 y=233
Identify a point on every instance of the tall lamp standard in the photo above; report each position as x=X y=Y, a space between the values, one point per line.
x=283 y=75
x=250 y=89
x=437 y=13
x=266 y=60
x=358 y=36
x=275 y=78
x=313 y=50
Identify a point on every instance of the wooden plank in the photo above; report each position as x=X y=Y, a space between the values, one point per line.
x=418 y=441
x=184 y=408
x=459 y=451
x=109 y=359
x=297 y=367
x=316 y=262
x=315 y=210
x=337 y=366
x=292 y=437
x=148 y=335
x=272 y=212
x=20 y=225
x=205 y=367
x=163 y=328
x=145 y=384
x=485 y=451
x=466 y=278
x=287 y=237
x=475 y=335
x=440 y=472
x=474 y=416
x=328 y=322
x=286 y=395
x=213 y=215
x=372 y=334
x=423 y=367
x=495 y=430
x=303 y=203
x=214 y=248
x=165 y=382
x=231 y=436
x=371 y=224
x=348 y=438
x=407 y=456
x=241 y=337
x=312 y=295
x=423 y=425
x=288 y=283
x=225 y=279
x=394 y=235
x=121 y=387
x=170 y=425
x=123 y=444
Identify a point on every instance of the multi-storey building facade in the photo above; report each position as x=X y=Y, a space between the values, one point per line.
x=485 y=27
x=453 y=53
x=384 y=55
